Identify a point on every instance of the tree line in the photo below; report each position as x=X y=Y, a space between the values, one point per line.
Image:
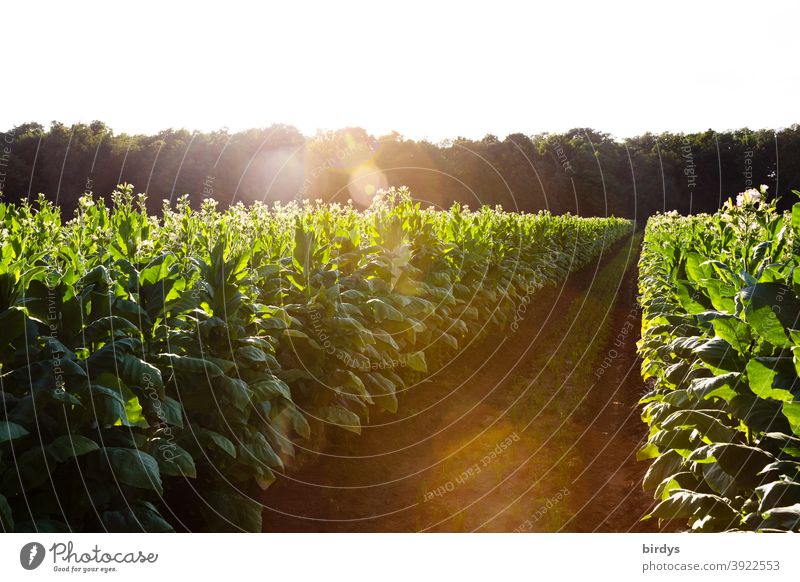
x=582 y=171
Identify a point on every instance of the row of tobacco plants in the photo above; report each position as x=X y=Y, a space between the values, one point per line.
x=156 y=373
x=720 y=341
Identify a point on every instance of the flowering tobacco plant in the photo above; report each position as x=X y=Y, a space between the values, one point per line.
x=157 y=372
x=720 y=338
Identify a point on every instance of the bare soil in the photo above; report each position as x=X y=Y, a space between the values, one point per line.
x=518 y=433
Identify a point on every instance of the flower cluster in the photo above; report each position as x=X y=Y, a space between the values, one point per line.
x=751 y=197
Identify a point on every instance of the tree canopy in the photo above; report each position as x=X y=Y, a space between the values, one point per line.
x=582 y=171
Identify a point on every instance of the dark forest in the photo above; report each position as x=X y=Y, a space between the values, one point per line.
x=582 y=171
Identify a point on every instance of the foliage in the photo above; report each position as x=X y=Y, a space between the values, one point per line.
x=720 y=341
x=581 y=171
x=143 y=359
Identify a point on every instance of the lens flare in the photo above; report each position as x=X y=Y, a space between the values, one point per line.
x=365 y=181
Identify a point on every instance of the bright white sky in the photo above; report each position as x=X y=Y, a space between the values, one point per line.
x=425 y=69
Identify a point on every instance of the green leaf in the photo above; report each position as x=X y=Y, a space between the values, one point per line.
x=783 y=518
x=690 y=297
x=681 y=480
x=720 y=482
x=133 y=467
x=770 y=308
x=110 y=403
x=790 y=469
x=648 y=451
x=172 y=412
x=258 y=452
x=723 y=386
x=734 y=331
x=104 y=326
x=416 y=361
x=31 y=470
x=758 y=414
x=234 y=392
x=742 y=462
x=791 y=410
x=229 y=512
x=720 y=354
x=12 y=324
x=251 y=355
x=6 y=516
x=135 y=371
x=209 y=437
x=300 y=424
x=664 y=466
x=172 y=459
x=10 y=431
x=270 y=388
x=341 y=417
x=142 y=516
x=382 y=311
x=382 y=390
x=777 y=494
x=189 y=365
x=709 y=427
x=767 y=382
x=69 y=446
x=683 y=504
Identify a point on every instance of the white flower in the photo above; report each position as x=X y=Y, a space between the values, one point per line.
x=764 y=188
x=750 y=197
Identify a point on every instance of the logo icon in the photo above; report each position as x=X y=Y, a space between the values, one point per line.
x=31 y=555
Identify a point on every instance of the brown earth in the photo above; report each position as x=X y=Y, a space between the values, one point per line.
x=519 y=433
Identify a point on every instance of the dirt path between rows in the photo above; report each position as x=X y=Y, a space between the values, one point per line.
x=533 y=432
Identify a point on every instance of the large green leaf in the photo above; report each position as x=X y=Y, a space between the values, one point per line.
x=10 y=431
x=742 y=462
x=172 y=459
x=771 y=308
x=683 y=504
x=783 y=518
x=133 y=467
x=416 y=361
x=341 y=417
x=720 y=354
x=768 y=380
x=777 y=494
x=734 y=331
x=68 y=446
x=32 y=468
x=230 y=512
x=140 y=517
x=710 y=427
x=663 y=467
